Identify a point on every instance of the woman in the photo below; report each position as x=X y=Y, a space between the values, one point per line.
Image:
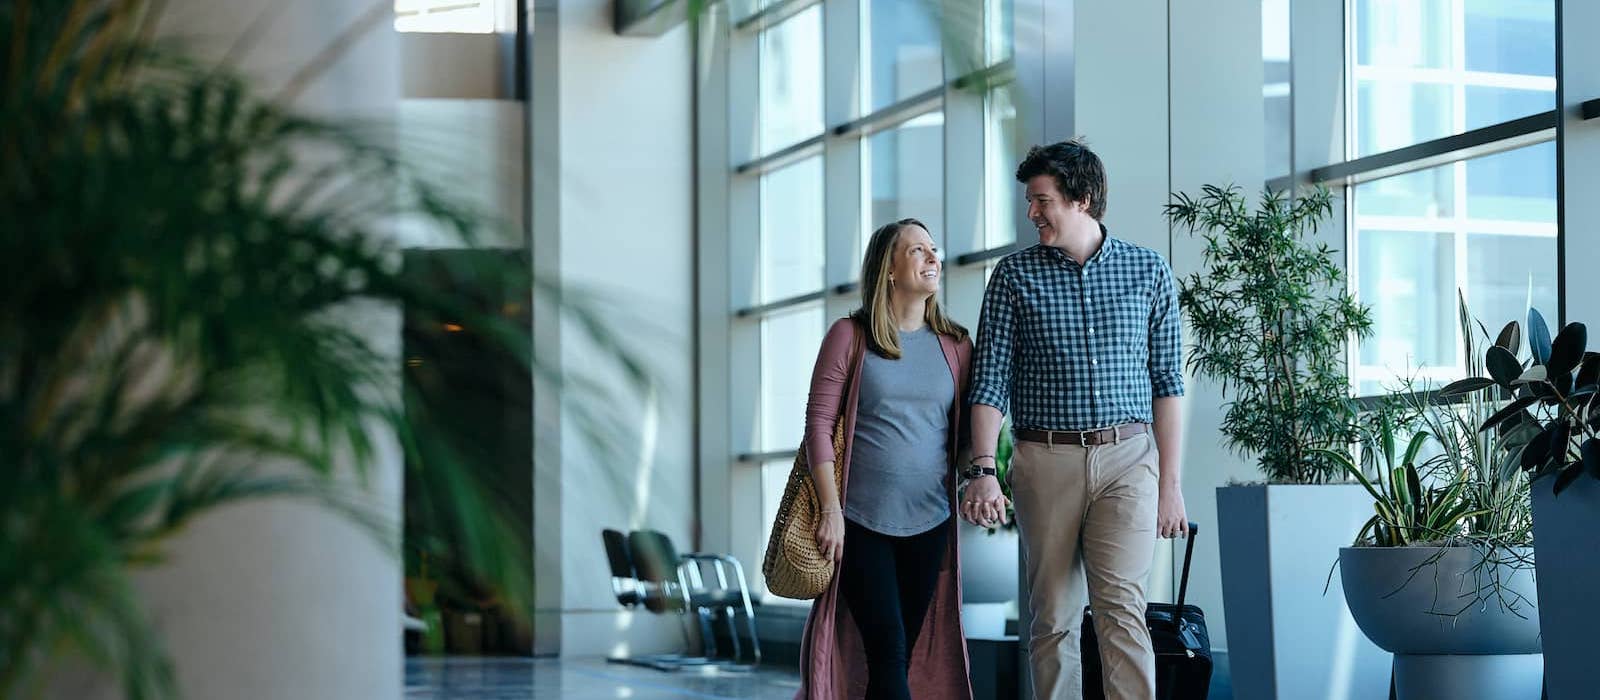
x=889 y=625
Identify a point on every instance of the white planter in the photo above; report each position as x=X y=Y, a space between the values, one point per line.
x=1286 y=638
x=989 y=572
x=988 y=564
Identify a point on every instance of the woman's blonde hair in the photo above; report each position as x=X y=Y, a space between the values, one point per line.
x=876 y=314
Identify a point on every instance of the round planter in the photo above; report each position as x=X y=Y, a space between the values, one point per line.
x=1403 y=603
x=988 y=580
x=988 y=565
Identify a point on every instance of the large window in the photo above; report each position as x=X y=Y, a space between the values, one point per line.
x=791 y=231
x=823 y=179
x=903 y=172
x=791 y=80
x=1482 y=226
x=1425 y=69
x=900 y=46
x=1002 y=194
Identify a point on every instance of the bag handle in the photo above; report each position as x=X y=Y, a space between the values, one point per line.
x=1183 y=585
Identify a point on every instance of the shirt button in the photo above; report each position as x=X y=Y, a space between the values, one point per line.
x=1096 y=393
x=1091 y=331
x=1093 y=361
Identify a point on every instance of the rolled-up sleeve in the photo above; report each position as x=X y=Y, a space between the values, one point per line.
x=993 y=362
x=1166 y=337
x=827 y=390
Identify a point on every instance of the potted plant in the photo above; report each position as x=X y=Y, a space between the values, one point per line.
x=990 y=559
x=1270 y=321
x=1553 y=397
x=197 y=277
x=1442 y=574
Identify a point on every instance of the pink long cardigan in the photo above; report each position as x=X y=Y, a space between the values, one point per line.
x=833 y=663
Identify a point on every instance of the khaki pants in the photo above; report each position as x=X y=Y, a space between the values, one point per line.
x=1088 y=516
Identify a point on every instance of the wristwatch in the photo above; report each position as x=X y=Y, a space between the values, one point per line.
x=975 y=471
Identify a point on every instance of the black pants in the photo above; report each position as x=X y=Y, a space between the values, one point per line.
x=888 y=583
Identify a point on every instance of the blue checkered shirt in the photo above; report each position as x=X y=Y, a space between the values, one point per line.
x=1065 y=346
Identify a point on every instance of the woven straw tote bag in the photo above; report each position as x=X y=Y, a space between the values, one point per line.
x=793 y=566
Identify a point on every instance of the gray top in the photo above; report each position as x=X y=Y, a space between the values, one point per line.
x=898 y=461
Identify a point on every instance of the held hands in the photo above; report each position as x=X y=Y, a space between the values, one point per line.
x=983 y=504
x=830 y=533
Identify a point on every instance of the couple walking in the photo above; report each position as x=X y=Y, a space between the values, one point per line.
x=1079 y=339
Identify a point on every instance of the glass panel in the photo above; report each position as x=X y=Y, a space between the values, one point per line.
x=789 y=343
x=903 y=175
x=900 y=41
x=1002 y=195
x=1507 y=273
x=1484 y=226
x=1426 y=69
x=1275 y=86
x=791 y=230
x=1403 y=33
x=1426 y=193
x=1408 y=279
x=1394 y=114
x=791 y=80
x=1516 y=185
x=1511 y=36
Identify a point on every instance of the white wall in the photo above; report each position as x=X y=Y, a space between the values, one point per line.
x=626 y=194
x=1168 y=107
x=1216 y=136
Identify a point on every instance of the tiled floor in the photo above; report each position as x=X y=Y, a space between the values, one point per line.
x=507 y=678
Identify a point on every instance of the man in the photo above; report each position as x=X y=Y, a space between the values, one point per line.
x=1079 y=337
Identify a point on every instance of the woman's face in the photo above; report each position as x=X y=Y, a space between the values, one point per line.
x=915 y=265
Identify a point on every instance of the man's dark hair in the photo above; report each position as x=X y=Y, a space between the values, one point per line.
x=1078 y=172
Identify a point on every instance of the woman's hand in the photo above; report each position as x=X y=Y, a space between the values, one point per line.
x=830 y=534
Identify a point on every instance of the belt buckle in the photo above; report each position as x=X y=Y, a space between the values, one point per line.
x=1116 y=435
x=1083 y=438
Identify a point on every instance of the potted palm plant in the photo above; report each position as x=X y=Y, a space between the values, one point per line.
x=1270 y=321
x=192 y=321
x=1552 y=398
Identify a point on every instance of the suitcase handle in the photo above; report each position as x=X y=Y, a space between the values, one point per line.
x=1183 y=585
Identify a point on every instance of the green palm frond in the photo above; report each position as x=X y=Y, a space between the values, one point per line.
x=194 y=279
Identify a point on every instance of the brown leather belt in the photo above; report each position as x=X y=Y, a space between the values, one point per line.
x=1083 y=438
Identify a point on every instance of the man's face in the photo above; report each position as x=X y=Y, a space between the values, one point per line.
x=1051 y=213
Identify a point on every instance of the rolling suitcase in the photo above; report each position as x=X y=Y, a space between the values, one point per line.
x=1178 y=633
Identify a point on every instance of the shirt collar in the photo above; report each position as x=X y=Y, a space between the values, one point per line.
x=1109 y=247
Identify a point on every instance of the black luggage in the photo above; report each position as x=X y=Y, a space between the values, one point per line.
x=1183 y=650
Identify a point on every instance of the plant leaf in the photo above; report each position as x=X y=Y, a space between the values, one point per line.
x=1512 y=409
x=1503 y=366
x=1532 y=374
x=1538 y=337
x=1510 y=337
x=1589 y=371
x=1466 y=386
x=1537 y=451
x=1567 y=351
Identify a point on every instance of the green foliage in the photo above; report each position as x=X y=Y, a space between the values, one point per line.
x=194 y=281
x=1271 y=323
x=1554 y=400
x=1408 y=510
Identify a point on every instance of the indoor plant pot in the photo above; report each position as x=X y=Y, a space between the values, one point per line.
x=1271 y=320
x=1405 y=600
